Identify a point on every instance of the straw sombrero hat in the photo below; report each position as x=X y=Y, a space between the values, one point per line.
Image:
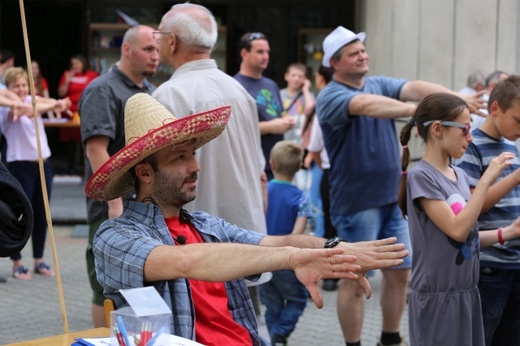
x=150 y=127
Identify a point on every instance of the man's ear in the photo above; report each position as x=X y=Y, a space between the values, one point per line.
x=173 y=43
x=243 y=53
x=333 y=63
x=144 y=172
x=126 y=49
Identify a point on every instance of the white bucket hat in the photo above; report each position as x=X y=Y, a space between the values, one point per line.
x=336 y=40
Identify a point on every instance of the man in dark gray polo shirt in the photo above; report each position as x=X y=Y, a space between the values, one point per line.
x=101 y=108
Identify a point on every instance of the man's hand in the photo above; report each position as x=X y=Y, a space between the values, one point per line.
x=475 y=103
x=312 y=265
x=377 y=254
x=281 y=125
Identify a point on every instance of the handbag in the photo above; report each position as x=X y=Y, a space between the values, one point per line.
x=293 y=101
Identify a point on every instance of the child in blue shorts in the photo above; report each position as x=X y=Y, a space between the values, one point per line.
x=288 y=208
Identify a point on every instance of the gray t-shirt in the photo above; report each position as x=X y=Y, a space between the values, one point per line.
x=444 y=303
x=102 y=108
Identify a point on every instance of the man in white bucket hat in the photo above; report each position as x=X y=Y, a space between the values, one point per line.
x=196 y=261
x=356 y=116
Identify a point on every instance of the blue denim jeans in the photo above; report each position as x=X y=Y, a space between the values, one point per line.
x=315 y=199
x=376 y=223
x=285 y=299
x=500 y=296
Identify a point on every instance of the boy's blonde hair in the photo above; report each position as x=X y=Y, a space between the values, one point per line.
x=12 y=74
x=287 y=157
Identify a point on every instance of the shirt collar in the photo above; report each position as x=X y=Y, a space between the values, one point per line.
x=147 y=86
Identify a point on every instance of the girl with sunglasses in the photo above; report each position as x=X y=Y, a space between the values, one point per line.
x=444 y=302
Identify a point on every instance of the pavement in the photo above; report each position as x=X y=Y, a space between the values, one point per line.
x=32 y=309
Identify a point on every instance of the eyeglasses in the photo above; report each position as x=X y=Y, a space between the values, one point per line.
x=251 y=37
x=157 y=35
x=465 y=127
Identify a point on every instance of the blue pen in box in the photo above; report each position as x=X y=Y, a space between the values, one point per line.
x=81 y=342
x=122 y=330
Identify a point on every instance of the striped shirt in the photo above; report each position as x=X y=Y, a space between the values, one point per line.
x=474 y=162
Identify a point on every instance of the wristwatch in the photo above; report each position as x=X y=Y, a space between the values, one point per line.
x=332 y=242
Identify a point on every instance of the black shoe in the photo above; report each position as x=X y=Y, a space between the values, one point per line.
x=402 y=343
x=3 y=278
x=330 y=284
x=279 y=341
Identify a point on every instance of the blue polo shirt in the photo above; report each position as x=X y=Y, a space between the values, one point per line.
x=363 y=151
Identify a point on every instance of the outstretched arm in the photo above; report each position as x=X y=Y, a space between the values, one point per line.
x=47 y=104
x=491 y=237
x=227 y=261
x=416 y=90
x=499 y=189
x=370 y=255
x=380 y=107
x=458 y=226
x=377 y=254
x=17 y=108
x=277 y=126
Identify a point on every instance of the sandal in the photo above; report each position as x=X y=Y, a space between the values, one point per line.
x=43 y=269
x=21 y=273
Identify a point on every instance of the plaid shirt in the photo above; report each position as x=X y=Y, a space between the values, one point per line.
x=122 y=245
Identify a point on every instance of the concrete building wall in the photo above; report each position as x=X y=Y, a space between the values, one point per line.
x=441 y=41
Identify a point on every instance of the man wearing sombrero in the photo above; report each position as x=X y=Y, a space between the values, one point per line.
x=197 y=261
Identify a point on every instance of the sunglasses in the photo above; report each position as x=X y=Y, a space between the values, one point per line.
x=251 y=37
x=465 y=127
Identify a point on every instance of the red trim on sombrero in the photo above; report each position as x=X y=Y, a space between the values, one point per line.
x=113 y=178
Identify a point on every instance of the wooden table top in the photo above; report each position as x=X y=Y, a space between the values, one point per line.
x=65 y=339
x=61 y=122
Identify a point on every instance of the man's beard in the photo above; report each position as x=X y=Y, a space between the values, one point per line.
x=168 y=191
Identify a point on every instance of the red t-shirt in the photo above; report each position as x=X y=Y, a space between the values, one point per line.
x=214 y=324
x=76 y=86
x=45 y=86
